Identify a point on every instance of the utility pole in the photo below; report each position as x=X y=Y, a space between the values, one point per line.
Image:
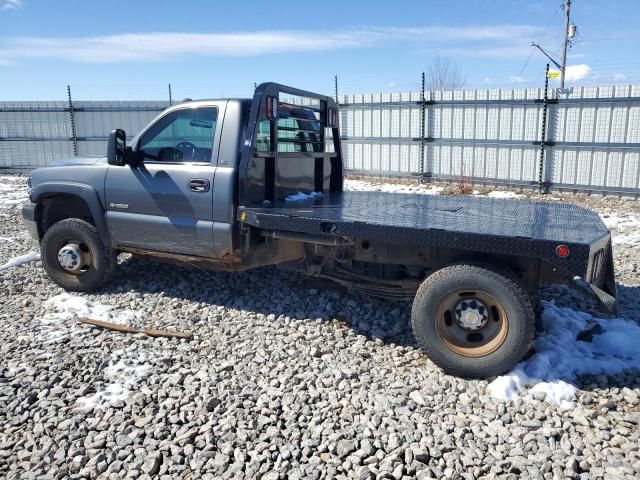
x=569 y=33
x=564 y=42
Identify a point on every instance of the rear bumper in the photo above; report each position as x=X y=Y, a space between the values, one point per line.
x=29 y=219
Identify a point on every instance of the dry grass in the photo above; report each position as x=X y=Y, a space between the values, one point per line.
x=462 y=187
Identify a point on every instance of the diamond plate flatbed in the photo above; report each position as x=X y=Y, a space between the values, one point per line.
x=501 y=226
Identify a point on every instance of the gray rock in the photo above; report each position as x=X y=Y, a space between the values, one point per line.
x=345 y=447
x=151 y=465
x=421 y=454
x=364 y=473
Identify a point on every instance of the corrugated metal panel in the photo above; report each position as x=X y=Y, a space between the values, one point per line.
x=594 y=134
x=492 y=135
x=33 y=134
x=31 y=154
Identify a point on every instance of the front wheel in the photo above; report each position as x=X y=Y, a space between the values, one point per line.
x=75 y=256
x=473 y=320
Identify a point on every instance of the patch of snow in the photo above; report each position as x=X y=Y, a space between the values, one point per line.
x=11 y=178
x=629 y=239
x=121 y=376
x=620 y=221
x=20 y=260
x=300 y=196
x=11 y=192
x=66 y=306
x=364 y=186
x=504 y=194
x=11 y=202
x=124 y=370
x=560 y=358
x=61 y=311
x=625 y=228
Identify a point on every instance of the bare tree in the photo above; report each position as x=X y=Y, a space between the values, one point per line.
x=444 y=75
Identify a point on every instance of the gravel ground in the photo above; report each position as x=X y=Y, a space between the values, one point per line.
x=280 y=380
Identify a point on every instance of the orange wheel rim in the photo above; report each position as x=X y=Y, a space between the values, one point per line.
x=471 y=323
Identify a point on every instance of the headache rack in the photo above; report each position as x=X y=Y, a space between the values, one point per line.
x=292 y=144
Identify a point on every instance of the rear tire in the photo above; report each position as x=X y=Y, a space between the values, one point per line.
x=473 y=320
x=99 y=260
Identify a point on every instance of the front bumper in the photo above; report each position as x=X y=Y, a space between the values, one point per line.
x=29 y=219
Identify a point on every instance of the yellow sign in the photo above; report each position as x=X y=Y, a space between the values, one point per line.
x=553 y=74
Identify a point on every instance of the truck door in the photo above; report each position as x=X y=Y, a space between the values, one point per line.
x=165 y=202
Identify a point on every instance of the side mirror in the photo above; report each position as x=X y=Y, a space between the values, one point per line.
x=117 y=148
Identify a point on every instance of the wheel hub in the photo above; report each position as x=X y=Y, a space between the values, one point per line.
x=471 y=314
x=71 y=257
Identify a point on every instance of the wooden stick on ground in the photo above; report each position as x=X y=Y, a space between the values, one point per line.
x=152 y=332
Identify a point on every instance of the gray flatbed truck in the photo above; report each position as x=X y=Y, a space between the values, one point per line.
x=237 y=184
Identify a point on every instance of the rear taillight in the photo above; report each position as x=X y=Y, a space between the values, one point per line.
x=269 y=108
x=272 y=107
x=562 y=251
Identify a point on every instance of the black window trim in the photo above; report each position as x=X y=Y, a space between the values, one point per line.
x=141 y=135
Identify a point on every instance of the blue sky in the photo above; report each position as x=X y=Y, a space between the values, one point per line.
x=133 y=49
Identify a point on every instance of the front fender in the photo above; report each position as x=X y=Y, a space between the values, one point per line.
x=85 y=192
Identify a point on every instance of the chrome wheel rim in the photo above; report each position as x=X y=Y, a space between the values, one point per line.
x=74 y=257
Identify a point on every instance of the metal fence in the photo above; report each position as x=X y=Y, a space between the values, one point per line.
x=32 y=134
x=592 y=135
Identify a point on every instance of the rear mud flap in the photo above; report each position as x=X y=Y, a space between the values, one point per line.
x=607 y=294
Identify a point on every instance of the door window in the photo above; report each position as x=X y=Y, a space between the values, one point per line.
x=184 y=135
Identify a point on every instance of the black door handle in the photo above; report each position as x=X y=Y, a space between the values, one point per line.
x=199 y=185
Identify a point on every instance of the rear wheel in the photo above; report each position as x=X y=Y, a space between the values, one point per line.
x=473 y=320
x=75 y=256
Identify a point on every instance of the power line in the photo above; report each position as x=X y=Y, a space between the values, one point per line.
x=562 y=65
x=544 y=33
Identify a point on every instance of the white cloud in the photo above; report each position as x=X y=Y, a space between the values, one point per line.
x=517 y=79
x=578 y=72
x=487 y=80
x=11 y=5
x=619 y=77
x=159 y=45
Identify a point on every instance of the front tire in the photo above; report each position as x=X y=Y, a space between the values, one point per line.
x=473 y=320
x=75 y=256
